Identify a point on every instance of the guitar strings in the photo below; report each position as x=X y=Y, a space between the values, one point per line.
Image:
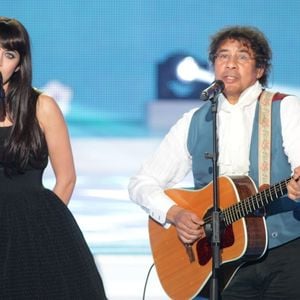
x=242 y=208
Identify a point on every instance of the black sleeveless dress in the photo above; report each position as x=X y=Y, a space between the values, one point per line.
x=43 y=254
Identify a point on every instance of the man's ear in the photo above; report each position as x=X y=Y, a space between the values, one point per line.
x=259 y=72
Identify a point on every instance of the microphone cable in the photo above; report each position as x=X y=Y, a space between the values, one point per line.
x=146 y=281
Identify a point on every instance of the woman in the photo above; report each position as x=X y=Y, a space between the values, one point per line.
x=43 y=254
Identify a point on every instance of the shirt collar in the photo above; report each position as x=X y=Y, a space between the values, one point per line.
x=248 y=97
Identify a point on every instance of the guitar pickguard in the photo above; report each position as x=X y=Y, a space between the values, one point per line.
x=204 y=249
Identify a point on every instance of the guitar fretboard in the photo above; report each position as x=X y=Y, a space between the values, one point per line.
x=254 y=202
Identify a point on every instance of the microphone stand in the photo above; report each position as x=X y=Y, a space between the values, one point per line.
x=213 y=229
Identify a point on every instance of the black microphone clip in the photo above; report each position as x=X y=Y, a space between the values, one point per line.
x=213 y=90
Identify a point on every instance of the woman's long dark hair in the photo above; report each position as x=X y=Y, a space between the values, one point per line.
x=26 y=138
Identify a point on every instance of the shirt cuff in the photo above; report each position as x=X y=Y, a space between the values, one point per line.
x=159 y=208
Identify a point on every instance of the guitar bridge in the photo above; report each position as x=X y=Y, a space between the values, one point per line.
x=190 y=253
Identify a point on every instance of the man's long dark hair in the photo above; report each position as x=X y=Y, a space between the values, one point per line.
x=26 y=138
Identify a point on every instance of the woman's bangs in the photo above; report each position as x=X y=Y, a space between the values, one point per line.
x=10 y=38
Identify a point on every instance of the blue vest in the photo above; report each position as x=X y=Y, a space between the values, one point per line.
x=283 y=215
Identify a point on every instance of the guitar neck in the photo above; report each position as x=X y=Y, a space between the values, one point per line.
x=250 y=204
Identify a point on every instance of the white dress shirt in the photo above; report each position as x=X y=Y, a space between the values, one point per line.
x=171 y=162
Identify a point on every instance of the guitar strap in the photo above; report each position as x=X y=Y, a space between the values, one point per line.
x=264 y=138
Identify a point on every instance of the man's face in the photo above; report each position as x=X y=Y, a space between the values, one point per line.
x=235 y=66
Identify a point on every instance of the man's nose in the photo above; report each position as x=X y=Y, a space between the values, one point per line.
x=231 y=62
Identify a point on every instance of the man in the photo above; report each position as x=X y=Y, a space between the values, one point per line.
x=241 y=59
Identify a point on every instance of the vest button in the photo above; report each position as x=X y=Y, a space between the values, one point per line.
x=274 y=234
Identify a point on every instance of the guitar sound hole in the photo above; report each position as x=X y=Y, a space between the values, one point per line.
x=204 y=249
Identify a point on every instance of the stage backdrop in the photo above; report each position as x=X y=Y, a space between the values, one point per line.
x=98 y=58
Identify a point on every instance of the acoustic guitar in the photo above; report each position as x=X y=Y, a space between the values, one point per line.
x=185 y=270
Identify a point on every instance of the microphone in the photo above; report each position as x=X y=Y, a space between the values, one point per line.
x=2 y=100
x=213 y=90
x=2 y=93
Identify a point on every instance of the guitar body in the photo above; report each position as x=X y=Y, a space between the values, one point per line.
x=182 y=275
